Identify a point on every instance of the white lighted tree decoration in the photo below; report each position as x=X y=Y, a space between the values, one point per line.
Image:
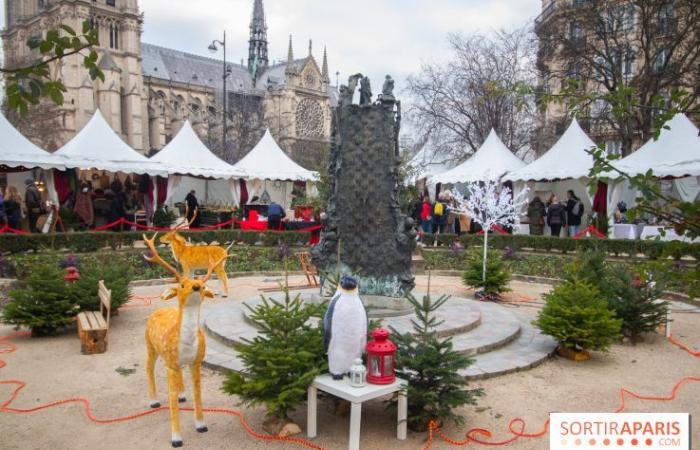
x=488 y=206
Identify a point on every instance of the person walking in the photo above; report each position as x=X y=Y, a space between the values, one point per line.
x=32 y=201
x=275 y=214
x=13 y=208
x=556 y=216
x=536 y=213
x=440 y=214
x=574 y=212
x=426 y=219
x=3 y=216
x=192 y=209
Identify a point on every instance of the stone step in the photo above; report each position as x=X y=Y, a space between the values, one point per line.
x=499 y=327
x=529 y=350
x=221 y=357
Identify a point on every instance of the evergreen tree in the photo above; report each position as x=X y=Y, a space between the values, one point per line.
x=116 y=276
x=636 y=302
x=431 y=366
x=43 y=303
x=578 y=317
x=497 y=276
x=283 y=359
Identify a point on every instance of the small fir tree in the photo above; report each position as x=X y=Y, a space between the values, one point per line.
x=578 y=317
x=283 y=359
x=116 y=276
x=431 y=366
x=497 y=276
x=592 y=267
x=43 y=303
x=636 y=302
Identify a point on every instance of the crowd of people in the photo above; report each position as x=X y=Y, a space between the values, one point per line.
x=13 y=208
x=556 y=215
x=441 y=216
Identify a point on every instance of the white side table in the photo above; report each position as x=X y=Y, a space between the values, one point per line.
x=356 y=396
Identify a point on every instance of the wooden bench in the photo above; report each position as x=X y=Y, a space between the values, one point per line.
x=308 y=267
x=93 y=325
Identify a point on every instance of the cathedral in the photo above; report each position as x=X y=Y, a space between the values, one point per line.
x=150 y=91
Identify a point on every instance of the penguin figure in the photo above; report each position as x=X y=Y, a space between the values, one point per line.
x=345 y=325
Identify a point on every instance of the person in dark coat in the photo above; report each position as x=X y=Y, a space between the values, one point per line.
x=117 y=209
x=574 y=212
x=536 y=213
x=441 y=213
x=32 y=200
x=13 y=208
x=192 y=206
x=556 y=216
x=275 y=214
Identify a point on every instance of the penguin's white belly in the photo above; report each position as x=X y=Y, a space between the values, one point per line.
x=349 y=334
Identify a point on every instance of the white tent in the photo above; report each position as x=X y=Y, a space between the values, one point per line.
x=97 y=146
x=270 y=171
x=675 y=154
x=492 y=160
x=564 y=167
x=192 y=165
x=17 y=151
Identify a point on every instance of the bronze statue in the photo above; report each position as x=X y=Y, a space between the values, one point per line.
x=365 y=92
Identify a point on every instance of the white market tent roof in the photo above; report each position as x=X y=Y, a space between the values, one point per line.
x=427 y=163
x=676 y=153
x=18 y=151
x=267 y=161
x=492 y=160
x=97 y=146
x=567 y=159
x=186 y=154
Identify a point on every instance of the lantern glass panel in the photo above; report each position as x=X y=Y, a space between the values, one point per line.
x=374 y=366
x=388 y=365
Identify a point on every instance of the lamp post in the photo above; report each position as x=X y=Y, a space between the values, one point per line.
x=213 y=48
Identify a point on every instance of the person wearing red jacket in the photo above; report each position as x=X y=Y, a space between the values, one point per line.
x=426 y=219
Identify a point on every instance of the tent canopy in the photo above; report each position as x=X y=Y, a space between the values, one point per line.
x=18 y=151
x=567 y=159
x=267 y=161
x=492 y=160
x=186 y=154
x=676 y=153
x=97 y=146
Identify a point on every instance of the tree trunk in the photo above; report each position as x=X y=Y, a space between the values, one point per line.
x=486 y=243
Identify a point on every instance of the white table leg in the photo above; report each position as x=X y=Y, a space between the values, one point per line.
x=402 y=416
x=311 y=414
x=355 y=416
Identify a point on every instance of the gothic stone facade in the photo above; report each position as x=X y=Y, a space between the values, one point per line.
x=149 y=91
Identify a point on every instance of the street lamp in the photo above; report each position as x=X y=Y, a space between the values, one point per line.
x=213 y=48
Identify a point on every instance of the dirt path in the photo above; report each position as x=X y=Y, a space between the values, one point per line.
x=53 y=369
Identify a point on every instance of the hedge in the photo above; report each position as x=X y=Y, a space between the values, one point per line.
x=85 y=242
x=652 y=249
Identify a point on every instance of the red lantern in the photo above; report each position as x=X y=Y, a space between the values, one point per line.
x=381 y=353
x=72 y=276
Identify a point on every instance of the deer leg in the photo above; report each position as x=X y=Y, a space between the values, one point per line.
x=175 y=437
x=150 y=366
x=181 y=388
x=196 y=370
x=221 y=273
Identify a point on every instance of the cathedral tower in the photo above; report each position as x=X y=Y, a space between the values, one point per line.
x=257 y=50
x=119 y=28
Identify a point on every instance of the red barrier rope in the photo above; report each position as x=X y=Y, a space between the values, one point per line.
x=498 y=229
x=591 y=229
x=7 y=229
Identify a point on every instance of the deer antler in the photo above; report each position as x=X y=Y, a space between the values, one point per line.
x=156 y=258
x=189 y=222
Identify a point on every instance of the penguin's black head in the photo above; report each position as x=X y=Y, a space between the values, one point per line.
x=348 y=283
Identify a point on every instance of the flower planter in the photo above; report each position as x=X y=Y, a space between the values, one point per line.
x=573 y=355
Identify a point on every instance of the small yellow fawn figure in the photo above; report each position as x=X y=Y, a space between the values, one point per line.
x=174 y=335
x=193 y=257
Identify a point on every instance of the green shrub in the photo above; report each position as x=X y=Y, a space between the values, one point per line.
x=283 y=359
x=431 y=366
x=635 y=301
x=578 y=317
x=43 y=303
x=164 y=218
x=250 y=237
x=497 y=276
x=116 y=276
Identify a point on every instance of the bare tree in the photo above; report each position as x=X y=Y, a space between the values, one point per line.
x=621 y=64
x=457 y=102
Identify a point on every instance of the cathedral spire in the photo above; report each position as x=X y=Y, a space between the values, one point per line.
x=290 y=52
x=324 y=71
x=257 y=50
x=311 y=47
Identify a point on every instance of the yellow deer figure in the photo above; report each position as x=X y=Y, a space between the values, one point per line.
x=174 y=335
x=193 y=257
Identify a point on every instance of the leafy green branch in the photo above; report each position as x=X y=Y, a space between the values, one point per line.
x=27 y=85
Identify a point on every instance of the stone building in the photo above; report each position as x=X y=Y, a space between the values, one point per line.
x=149 y=91
x=608 y=46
